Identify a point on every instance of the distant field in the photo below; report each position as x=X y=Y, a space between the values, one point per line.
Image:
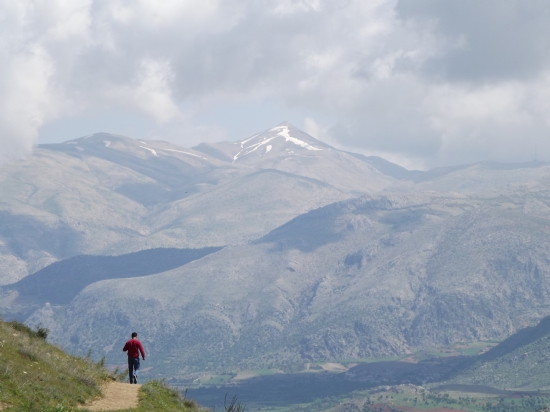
x=476 y=401
x=310 y=393
x=278 y=390
x=325 y=385
x=465 y=350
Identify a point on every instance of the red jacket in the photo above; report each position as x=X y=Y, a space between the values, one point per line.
x=133 y=346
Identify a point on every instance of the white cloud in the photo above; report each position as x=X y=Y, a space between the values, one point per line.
x=294 y=6
x=152 y=91
x=423 y=80
x=504 y=121
x=314 y=129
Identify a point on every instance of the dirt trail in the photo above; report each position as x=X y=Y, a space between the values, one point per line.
x=116 y=396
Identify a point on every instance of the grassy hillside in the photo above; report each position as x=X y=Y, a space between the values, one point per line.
x=36 y=376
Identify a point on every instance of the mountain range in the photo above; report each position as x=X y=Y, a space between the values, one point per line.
x=105 y=194
x=321 y=254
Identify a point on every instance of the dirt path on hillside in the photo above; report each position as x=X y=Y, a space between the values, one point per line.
x=116 y=395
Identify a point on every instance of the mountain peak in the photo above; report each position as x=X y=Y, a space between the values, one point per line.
x=283 y=139
x=287 y=124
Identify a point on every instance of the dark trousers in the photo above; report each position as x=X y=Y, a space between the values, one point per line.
x=133 y=365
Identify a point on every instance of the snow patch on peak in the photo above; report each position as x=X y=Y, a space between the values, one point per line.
x=187 y=153
x=285 y=132
x=253 y=147
x=282 y=131
x=151 y=150
x=107 y=143
x=256 y=146
x=249 y=139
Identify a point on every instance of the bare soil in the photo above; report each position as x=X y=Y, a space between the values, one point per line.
x=116 y=396
x=387 y=408
x=334 y=367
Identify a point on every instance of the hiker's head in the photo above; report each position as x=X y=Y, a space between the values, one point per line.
x=134 y=334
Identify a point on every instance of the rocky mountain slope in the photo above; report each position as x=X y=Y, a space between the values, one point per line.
x=370 y=277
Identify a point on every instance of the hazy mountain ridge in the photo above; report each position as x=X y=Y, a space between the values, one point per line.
x=107 y=194
x=288 y=149
x=484 y=179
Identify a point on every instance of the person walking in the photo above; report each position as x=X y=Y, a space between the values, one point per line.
x=133 y=347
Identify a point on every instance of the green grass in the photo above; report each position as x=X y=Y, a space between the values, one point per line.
x=467 y=349
x=429 y=400
x=266 y=372
x=156 y=396
x=37 y=376
x=217 y=380
x=366 y=360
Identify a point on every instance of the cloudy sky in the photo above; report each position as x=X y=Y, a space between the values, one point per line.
x=422 y=82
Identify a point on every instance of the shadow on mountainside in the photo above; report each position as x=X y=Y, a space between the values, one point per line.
x=61 y=281
x=519 y=339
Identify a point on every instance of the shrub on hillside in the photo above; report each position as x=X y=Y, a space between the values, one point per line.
x=40 y=332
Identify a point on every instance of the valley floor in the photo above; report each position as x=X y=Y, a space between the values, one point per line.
x=409 y=384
